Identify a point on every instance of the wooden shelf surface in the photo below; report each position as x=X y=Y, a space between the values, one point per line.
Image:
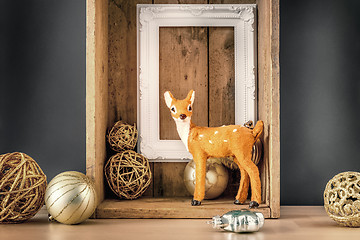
x=295 y=223
x=169 y=208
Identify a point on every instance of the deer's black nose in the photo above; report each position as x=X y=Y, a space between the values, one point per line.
x=182 y=116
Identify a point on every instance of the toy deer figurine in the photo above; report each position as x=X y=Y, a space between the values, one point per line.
x=204 y=142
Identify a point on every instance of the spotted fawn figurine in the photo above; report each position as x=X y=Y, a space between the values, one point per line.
x=225 y=141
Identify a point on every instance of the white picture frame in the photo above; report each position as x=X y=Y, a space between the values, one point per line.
x=150 y=17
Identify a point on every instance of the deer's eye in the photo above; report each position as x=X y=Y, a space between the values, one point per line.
x=173 y=109
x=189 y=108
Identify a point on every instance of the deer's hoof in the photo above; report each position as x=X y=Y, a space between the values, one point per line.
x=253 y=204
x=237 y=202
x=195 y=203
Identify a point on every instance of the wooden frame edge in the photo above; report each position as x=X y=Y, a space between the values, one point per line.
x=275 y=113
x=96 y=91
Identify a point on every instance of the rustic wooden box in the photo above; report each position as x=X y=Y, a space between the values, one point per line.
x=111 y=87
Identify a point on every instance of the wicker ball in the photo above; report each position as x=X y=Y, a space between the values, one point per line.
x=256 y=156
x=128 y=174
x=122 y=136
x=22 y=187
x=342 y=199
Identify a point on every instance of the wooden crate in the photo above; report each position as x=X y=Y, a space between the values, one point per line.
x=111 y=87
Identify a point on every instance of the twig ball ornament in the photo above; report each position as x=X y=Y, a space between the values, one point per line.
x=70 y=197
x=216 y=178
x=342 y=199
x=122 y=136
x=128 y=174
x=22 y=187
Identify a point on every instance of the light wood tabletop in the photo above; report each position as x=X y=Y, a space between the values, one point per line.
x=305 y=222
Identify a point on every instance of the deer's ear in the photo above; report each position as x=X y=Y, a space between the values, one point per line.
x=191 y=96
x=168 y=98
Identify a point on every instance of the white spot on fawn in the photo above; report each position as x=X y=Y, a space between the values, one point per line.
x=235 y=130
x=216 y=132
x=223 y=126
x=200 y=136
x=210 y=141
x=225 y=140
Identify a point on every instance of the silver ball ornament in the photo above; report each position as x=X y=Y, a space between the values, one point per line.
x=216 y=178
x=239 y=221
x=70 y=197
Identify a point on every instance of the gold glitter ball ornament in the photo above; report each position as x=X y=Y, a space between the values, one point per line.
x=70 y=197
x=216 y=178
x=342 y=199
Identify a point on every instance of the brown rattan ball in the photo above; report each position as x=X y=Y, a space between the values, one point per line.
x=342 y=199
x=128 y=174
x=122 y=136
x=22 y=187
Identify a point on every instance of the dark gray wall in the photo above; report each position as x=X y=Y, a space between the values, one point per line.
x=320 y=95
x=42 y=94
x=42 y=82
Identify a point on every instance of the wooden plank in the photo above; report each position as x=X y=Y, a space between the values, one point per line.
x=169 y=180
x=122 y=60
x=275 y=113
x=180 y=1
x=221 y=76
x=183 y=66
x=263 y=85
x=233 y=184
x=232 y=1
x=122 y=52
x=96 y=91
x=169 y=208
x=150 y=191
x=222 y=88
x=269 y=94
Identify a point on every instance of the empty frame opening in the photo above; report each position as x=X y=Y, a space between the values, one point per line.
x=199 y=58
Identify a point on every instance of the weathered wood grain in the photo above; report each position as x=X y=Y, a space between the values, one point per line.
x=150 y=191
x=269 y=96
x=111 y=95
x=169 y=208
x=122 y=60
x=232 y=1
x=222 y=88
x=180 y=1
x=183 y=66
x=169 y=180
x=96 y=91
x=221 y=76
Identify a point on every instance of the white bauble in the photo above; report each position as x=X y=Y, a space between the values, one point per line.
x=70 y=197
x=216 y=178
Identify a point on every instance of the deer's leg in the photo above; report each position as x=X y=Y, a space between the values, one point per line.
x=244 y=185
x=244 y=159
x=200 y=171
